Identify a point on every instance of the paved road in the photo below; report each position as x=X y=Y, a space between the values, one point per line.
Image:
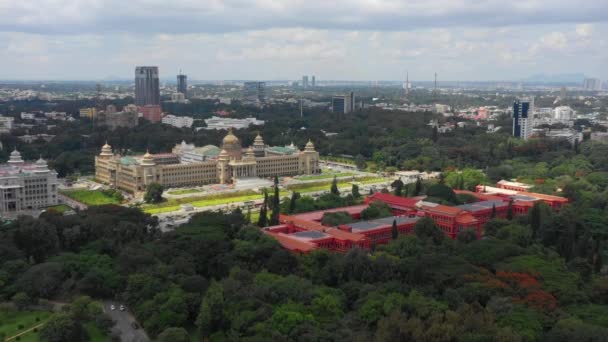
x=123 y=321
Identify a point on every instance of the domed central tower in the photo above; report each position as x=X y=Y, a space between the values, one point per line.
x=232 y=145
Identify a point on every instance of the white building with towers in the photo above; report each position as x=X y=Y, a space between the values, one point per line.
x=26 y=186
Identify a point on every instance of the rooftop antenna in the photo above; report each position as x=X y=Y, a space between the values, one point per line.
x=407 y=83
x=301 y=107
x=435 y=90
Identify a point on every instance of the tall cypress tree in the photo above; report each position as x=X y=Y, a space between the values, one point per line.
x=493 y=211
x=355 y=191
x=394 y=230
x=418 y=187
x=293 y=202
x=334 y=187
x=276 y=202
x=510 y=210
x=263 y=219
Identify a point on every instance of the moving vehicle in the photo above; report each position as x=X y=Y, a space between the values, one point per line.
x=122 y=308
x=112 y=307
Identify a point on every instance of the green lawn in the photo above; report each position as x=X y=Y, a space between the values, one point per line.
x=11 y=319
x=60 y=208
x=205 y=201
x=90 y=197
x=321 y=186
x=95 y=335
x=329 y=175
x=184 y=191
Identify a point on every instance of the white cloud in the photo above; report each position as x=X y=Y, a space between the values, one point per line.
x=584 y=30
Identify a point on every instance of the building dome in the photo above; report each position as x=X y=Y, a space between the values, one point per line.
x=230 y=138
x=258 y=140
x=148 y=159
x=15 y=157
x=106 y=150
x=309 y=146
x=232 y=145
x=223 y=155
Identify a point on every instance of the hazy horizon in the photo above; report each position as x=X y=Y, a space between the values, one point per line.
x=362 y=40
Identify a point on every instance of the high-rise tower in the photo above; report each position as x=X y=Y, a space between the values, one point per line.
x=182 y=84
x=147 y=87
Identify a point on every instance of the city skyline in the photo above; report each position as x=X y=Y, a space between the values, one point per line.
x=369 y=40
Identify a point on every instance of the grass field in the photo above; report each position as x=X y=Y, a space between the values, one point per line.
x=90 y=197
x=10 y=320
x=321 y=186
x=183 y=191
x=60 y=208
x=206 y=201
x=328 y=175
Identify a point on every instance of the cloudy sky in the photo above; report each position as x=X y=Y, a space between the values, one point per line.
x=284 y=39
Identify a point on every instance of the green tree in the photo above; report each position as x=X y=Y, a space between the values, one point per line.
x=263 y=219
x=154 y=193
x=417 y=187
x=394 y=230
x=376 y=210
x=211 y=314
x=293 y=202
x=276 y=203
x=173 y=334
x=426 y=229
x=493 y=215
x=21 y=300
x=510 y=211
x=355 y=191
x=398 y=187
x=62 y=327
x=336 y=219
x=334 y=187
x=360 y=162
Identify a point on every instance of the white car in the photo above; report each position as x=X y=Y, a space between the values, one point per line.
x=112 y=307
x=122 y=308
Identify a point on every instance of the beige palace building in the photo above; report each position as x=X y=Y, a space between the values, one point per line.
x=182 y=167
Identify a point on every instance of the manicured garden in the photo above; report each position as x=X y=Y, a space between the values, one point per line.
x=205 y=201
x=94 y=197
x=320 y=186
x=60 y=208
x=183 y=191
x=325 y=175
x=13 y=322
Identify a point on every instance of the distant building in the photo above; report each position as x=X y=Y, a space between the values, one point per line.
x=216 y=122
x=182 y=84
x=343 y=103
x=6 y=124
x=592 y=84
x=523 y=119
x=233 y=162
x=304 y=81
x=314 y=81
x=127 y=118
x=563 y=113
x=90 y=113
x=599 y=136
x=178 y=121
x=26 y=186
x=152 y=113
x=147 y=86
x=111 y=109
x=254 y=92
x=28 y=116
x=31 y=138
x=178 y=97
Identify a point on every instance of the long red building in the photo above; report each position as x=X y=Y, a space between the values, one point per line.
x=304 y=232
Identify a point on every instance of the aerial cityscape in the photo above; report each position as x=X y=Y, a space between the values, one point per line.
x=282 y=171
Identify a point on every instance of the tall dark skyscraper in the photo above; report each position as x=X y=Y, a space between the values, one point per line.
x=147 y=89
x=182 y=84
x=523 y=118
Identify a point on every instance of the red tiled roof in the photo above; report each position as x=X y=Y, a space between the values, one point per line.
x=393 y=200
x=544 y=197
x=301 y=223
x=465 y=218
x=442 y=209
x=344 y=235
x=318 y=215
x=293 y=244
x=480 y=196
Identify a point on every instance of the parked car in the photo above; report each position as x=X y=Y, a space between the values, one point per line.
x=122 y=308
x=112 y=307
